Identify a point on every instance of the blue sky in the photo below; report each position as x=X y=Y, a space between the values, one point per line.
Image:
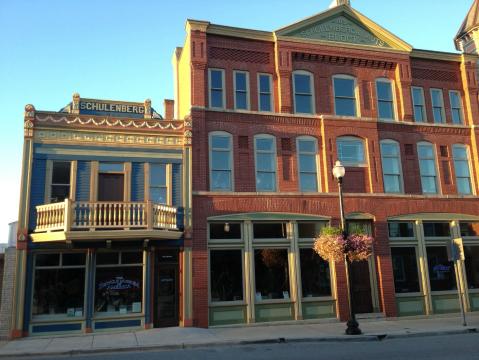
x=121 y=49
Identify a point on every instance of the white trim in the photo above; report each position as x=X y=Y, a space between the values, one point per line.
x=315 y=154
x=398 y=157
x=223 y=89
x=312 y=94
x=210 y=158
x=274 y=153
x=246 y=73
x=469 y=165
x=424 y=112
x=351 y=139
x=443 y=111
x=461 y=107
x=393 y=98
x=357 y=107
x=436 y=166
x=271 y=97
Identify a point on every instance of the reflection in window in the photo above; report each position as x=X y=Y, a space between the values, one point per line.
x=59 y=285
x=438 y=106
x=472 y=266
x=221 y=155
x=271 y=274
x=60 y=186
x=385 y=99
x=216 y=88
x=344 y=96
x=391 y=163
x=441 y=271
x=350 y=151
x=406 y=278
x=427 y=168
x=456 y=107
x=118 y=285
x=264 y=92
x=265 y=156
x=469 y=228
x=310 y=229
x=418 y=103
x=303 y=92
x=241 y=90
x=401 y=229
x=225 y=231
x=158 y=184
x=315 y=275
x=461 y=167
x=226 y=275
x=307 y=167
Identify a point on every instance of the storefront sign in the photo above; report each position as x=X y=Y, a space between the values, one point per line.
x=455 y=250
x=119 y=283
x=92 y=106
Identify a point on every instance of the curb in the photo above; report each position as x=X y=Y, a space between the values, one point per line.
x=226 y=343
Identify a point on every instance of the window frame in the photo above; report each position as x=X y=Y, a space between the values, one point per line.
x=443 y=110
x=312 y=94
x=423 y=105
x=271 y=97
x=401 y=178
x=392 y=101
x=469 y=166
x=414 y=245
x=275 y=161
x=168 y=182
x=298 y=159
x=436 y=167
x=461 y=107
x=246 y=91
x=223 y=90
x=357 y=109
x=210 y=159
x=49 y=180
x=346 y=163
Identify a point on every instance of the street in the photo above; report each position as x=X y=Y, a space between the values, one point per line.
x=460 y=347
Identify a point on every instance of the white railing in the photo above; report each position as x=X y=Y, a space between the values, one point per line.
x=93 y=215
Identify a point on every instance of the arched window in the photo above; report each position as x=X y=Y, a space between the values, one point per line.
x=221 y=160
x=265 y=162
x=427 y=167
x=307 y=149
x=303 y=88
x=345 y=95
x=385 y=99
x=460 y=155
x=351 y=151
x=391 y=164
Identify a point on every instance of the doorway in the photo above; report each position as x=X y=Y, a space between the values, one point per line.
x=166 y=294
x=361 y=287
x=111 y=187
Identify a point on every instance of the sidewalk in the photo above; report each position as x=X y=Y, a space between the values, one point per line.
x=179 y=338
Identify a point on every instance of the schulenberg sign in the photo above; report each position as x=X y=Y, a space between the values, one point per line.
x=340 y=29
x=110 y=107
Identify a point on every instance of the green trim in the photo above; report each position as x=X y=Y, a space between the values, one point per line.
x=444 y=304
x=274 y=312
x=260 y=216
x=360 y=216
x=434 y=217
x=319 y=309
x=227 y=315
x=474 y=301
x=409 y=306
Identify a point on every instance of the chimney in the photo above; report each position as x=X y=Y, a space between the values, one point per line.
x=335 y=3
x=169 y=109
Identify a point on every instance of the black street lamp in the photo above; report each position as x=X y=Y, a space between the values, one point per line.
x=353 y=327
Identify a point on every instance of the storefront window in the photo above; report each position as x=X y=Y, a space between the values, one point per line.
x=441 y=271
x=225 y=231
x=310 y=230
x=269 y=231
x=436 y=229
x=315 y=275
x=59 y=285
x=226 y=275
x=401 y=229
x=406 y=278
x=469 y=228
x=119 y=283
x=271 y=274
x=472 y=266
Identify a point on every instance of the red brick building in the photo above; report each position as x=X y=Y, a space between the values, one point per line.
x=271 y=112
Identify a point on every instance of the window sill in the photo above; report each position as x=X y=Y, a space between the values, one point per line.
x=317 y=299
x=409 y=294
x=273 y=301
x=227 y=303
x=55 y=318
x=116 y=316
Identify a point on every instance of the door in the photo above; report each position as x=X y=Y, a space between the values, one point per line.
x=110 y=187
x=361 y=287
x=167 y=306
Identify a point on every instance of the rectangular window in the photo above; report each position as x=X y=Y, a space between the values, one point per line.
x=406 y=276
x=158 y=184
x=469 y=228
x=436 y=229
x=59 y=285
x=315 y=275
x=441 y=271
x=307 y=166
x=225 y=231
x=472 y=266
x=391 y=163
x=385 y=100
x=461 y=166
x=351 y=151
x=216 y=82
x=269 y=231
x=265 y=98
x=427 y=168
x=401 y=229
x=226 y=275
x=438 y=106
x=60 y=185
x=265 y=158
x=271 y=274
x=108 y=167
x=456 y=107
x=303 y=93
x=419 y=104
x=221 y=153
x=118 y=283
x=344 y=96
x=241 y=84
x=310 y=229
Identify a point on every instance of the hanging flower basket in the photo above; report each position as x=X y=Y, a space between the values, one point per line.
x=331 y=245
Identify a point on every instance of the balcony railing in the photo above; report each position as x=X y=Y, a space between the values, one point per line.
x=98 y=215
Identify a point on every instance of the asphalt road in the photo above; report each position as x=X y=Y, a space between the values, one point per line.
x=451 y=347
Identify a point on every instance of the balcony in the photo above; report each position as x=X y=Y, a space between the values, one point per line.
x=77 y=220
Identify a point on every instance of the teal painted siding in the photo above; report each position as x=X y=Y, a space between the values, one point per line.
x=37 y=189
x=176 y=185
x=83 y=181
x=137 y=182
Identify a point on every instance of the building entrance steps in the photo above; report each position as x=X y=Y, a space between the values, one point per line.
x=181 y=338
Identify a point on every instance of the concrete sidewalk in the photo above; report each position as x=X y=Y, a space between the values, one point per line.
x=179 y=338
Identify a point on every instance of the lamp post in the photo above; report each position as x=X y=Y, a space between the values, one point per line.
x=352 y=325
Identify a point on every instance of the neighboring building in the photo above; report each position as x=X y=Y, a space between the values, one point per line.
x=101 y=219
x=7 y=280
x=271 y=112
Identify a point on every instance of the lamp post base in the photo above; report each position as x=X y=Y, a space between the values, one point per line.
x=353 y=327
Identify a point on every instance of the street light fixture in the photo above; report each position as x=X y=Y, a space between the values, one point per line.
x=352 y=325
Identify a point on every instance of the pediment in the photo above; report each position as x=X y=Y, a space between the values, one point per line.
x=343 y=25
